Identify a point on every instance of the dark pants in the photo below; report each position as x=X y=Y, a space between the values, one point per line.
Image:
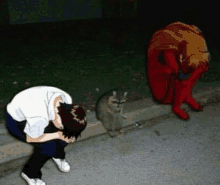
x=42 y=151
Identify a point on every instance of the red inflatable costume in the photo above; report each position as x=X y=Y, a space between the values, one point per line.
x=176 y=49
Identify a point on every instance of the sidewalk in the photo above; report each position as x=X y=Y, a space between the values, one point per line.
x=14 y=153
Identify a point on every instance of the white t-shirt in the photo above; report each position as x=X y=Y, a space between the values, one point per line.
x=36 y=105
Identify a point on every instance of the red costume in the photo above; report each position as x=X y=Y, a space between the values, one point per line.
x=176 y=49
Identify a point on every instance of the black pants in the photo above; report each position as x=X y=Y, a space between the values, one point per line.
x=42 y=151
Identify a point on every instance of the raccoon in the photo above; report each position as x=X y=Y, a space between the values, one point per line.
x=109 y=109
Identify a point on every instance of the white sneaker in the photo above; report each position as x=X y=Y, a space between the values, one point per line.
x=62 y=165
x=32 y=181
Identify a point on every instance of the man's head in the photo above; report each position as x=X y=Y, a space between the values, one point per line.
x=73 y=119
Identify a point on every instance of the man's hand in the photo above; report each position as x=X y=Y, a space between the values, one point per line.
x=61 y=136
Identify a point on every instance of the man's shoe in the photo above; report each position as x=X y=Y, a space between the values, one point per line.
x=32 y=181
x=62 y=165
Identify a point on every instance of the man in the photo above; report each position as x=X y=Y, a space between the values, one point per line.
x=46 y=118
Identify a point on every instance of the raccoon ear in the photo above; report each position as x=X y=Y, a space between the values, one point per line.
x=125 y=94
x=114 y=93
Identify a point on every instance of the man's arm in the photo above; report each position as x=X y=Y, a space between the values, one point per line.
x=57 y=121
x=43 y=138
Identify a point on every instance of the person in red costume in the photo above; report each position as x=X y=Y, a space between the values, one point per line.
x=177 y=57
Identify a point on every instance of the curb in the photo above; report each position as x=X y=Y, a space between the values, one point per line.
x=137 y=111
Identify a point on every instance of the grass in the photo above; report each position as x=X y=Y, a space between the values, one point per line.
x=84 y=71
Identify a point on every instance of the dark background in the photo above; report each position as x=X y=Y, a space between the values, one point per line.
x=148 y=17
x=102 y=51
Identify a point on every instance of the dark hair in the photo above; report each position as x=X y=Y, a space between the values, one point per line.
x=73 y=119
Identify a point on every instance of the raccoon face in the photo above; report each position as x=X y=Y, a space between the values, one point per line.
x=115 y=102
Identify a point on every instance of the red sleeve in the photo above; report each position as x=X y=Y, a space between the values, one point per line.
x=171 y=62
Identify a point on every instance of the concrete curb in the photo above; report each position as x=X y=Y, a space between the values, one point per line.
x=135 y=111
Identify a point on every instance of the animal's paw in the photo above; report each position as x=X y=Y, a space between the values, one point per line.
x=138 y=125
x=112 y=133
x=121 y=131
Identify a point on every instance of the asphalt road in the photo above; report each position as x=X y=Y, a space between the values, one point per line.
x=166 y=151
